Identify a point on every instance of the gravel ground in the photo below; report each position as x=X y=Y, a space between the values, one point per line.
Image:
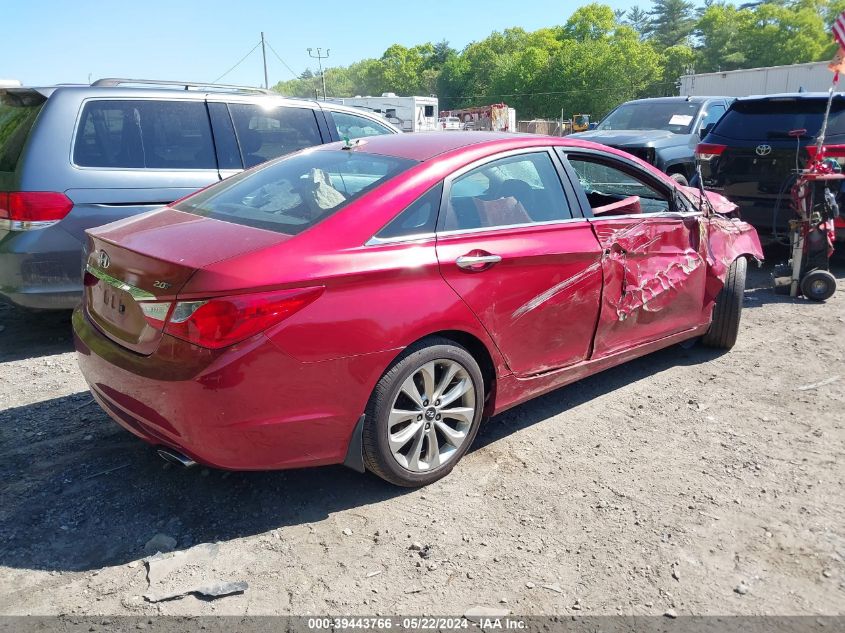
x=689 y=480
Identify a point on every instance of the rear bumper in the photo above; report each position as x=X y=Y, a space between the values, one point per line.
x=248 y=407
x=41 y=269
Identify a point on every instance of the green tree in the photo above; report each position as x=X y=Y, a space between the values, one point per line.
x=672 y=22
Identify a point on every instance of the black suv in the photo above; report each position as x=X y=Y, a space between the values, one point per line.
x=752 y=154
x=662 y=131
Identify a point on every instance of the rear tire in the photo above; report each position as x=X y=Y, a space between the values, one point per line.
x=423 y=414
x=818 y=285
x=728 y=309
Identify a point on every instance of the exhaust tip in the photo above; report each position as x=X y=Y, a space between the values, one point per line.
x=175 y=457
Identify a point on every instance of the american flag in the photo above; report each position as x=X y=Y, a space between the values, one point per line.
x=839 y=30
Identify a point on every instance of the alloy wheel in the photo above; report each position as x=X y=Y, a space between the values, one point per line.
x=431 y=415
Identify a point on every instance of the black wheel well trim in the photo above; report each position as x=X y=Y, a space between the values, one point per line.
x=354 y=452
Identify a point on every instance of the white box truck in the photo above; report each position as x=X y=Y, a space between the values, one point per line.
x=410 y=114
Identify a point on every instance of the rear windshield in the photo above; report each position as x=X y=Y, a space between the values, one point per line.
x=17 y=114
x=770 y=119
x=670 y=116
x=297 y=192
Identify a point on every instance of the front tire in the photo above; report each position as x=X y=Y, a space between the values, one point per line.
x=728 y=309
x=424 y=413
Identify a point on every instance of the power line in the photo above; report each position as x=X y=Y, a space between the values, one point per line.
x=238 y=64
x=284 y=63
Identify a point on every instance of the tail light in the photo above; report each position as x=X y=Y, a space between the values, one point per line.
x=708 y=151
x=223 y=321
x=830 y=151
x=24 y=210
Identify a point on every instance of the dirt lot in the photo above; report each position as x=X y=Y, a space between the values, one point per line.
x=690 y=480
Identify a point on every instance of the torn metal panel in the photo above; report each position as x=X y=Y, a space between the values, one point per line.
x=724 y=240
x=718 y=203
x=178 y=574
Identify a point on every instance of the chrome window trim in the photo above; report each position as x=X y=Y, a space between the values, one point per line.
x=489 y=229
x=137 y=293
x=670 y=215
x=418 y=237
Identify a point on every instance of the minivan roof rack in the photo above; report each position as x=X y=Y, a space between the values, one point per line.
x=184 y=85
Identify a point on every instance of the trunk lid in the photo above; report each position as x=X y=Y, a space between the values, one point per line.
x=136 y=267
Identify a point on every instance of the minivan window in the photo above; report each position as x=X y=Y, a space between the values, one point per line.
x=295 y=193
x=148 y=134
x=266 y=133
x=352 y=126
x=768 y=119
x=17 y=115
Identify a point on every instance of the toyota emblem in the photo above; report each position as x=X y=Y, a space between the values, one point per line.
x=103 y=259
x=763 y=150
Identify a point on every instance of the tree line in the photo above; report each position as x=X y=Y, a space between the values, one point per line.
x=596 y=60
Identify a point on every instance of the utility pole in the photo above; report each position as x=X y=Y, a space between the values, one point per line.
x=264 y=55
x=320 y=57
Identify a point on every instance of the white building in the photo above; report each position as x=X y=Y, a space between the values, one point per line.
x=812 y=77
x=410 y=114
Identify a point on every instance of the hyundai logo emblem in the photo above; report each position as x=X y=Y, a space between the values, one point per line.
x=763 y=150
x=103 y=259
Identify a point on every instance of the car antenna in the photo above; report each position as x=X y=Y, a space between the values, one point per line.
x=702 y=197
x=351 y=144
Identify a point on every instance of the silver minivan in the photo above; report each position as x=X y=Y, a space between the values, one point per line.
x=74 y=157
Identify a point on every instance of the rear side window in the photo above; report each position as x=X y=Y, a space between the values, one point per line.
x=17 y=114
x=296 y=193
x=351 y=126
x=768 y=119
x=266 y=133
x=144 y=134
x=418 y=219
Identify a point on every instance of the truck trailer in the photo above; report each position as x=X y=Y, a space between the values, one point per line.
x=810 y=77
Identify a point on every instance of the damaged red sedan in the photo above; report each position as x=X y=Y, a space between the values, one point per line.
x=371 y=303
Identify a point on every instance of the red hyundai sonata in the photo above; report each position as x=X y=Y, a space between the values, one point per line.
x=371 y=304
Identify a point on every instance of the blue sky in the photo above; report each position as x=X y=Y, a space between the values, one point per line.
x=62 y=41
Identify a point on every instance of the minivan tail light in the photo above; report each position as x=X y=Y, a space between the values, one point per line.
x=708 y=151
x=223 y=321
x=26 y=210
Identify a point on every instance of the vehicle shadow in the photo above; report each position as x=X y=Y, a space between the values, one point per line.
x=29 y=334
x=81 y=493
x=576 y=394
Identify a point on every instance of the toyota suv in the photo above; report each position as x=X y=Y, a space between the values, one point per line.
x=752 y=154
x=75 y=157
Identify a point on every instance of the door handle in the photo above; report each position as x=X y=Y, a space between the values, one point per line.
x=477 y=262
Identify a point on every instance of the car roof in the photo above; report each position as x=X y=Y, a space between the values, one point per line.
x=690 y=99
x=126 y=91
x=791 y=95
x=423 y=146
